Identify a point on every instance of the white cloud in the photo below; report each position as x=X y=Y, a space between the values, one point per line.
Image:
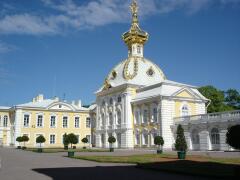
x=70 y=14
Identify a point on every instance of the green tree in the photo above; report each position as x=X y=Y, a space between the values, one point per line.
x=158 y=141
x=72 y=139
x=85 y=140
x=40 y=139
x=111 y=140
x=217 y=99
x=181 y=144
x=233 y=136
x=232 y=98
x=65 y=140
x=19 y=140
x=25 y=139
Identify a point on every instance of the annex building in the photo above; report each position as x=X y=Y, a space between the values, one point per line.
x=136 y=103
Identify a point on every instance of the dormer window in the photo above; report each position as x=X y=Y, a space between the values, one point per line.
x=60 y=106
x=119 y=99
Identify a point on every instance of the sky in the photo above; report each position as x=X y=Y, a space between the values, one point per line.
x=66 y=48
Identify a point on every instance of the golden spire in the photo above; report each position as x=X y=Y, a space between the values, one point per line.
x=135 y=34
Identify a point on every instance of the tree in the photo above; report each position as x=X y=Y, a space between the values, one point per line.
x=158 y=141
x=181 y=144
x=232 y=98
x=217 y=99
x=85 y=140
x=72 y=139
x=233 y=137
x=19 y=140
x=25 y=139
x=65 y=140
x=111 y=140
x=40 y=139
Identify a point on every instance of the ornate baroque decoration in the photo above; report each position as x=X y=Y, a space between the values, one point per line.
x=114 y=74
x=135 y=34
x=150 y=71
x=107 y=85
x=126 y=73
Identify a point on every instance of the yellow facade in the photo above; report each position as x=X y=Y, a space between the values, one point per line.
x=3 y=128
x=33 y=131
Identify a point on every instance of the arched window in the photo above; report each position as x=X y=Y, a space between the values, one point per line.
x=145 y=139
x=137 y=135
x=103 y=103
x=185 y=110
x=110 y=119
x=137 y=117
x=139 y=49
x=145 y=116
x=215 y=137
x=119 y=117
x=5 y=121
x=195 y=137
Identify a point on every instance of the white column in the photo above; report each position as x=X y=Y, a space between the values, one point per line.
x=98 y=140
x=204 y=141
x=188 y=139
x=106 y=143
x=18 y=125
x=167 y=110
x=223 y=145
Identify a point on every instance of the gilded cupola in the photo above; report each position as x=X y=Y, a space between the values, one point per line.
x=135 y=38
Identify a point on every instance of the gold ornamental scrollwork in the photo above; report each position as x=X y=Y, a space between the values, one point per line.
x=126 y=73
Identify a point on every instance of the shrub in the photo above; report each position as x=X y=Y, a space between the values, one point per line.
x=25 y=139
x=180 y=144
x=158 y=140
x=72 y=139
x=111 y=140
x=65 y=141
x=85 y=140
x=40 y=139
x=233 y=137
x=19 y=140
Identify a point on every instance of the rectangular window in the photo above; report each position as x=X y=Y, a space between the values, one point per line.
x=53 y=122
x=26 y=121
x=52 y=139
x=5 y=121
x=88 y=122
x=65 y=122
x=77 y=122
x=40 y=121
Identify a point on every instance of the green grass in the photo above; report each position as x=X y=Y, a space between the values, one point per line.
x=195 y=165
x=57 y=150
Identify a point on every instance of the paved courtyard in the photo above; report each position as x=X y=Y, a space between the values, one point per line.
x=22 y=165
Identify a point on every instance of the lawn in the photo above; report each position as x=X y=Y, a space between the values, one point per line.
x=57 y=150
x=195 y=165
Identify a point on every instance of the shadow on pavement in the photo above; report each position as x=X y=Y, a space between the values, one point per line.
x=110 y=173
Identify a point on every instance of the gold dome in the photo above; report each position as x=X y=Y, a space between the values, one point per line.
x=135 y=34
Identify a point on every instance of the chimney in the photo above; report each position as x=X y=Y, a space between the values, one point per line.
x=78 y=103
x=40 y=98
x=56 y=98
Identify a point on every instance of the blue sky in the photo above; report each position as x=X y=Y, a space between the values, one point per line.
x=68 y=47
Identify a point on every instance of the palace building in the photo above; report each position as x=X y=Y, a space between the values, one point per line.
x=51 y=118
x=135 y=104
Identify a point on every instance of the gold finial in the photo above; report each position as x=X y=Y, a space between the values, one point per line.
x=134 y=9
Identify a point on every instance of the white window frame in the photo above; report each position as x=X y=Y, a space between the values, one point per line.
x=75 y=118
x=88 y=125
x=24 y=120
x=55 y=124
x=42 y=121
x=50 y=140
x=63 y=122
x=5 y=121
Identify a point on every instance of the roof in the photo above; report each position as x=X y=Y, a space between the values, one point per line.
x=48 y=103
x=4 y=107
x=166 y=88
